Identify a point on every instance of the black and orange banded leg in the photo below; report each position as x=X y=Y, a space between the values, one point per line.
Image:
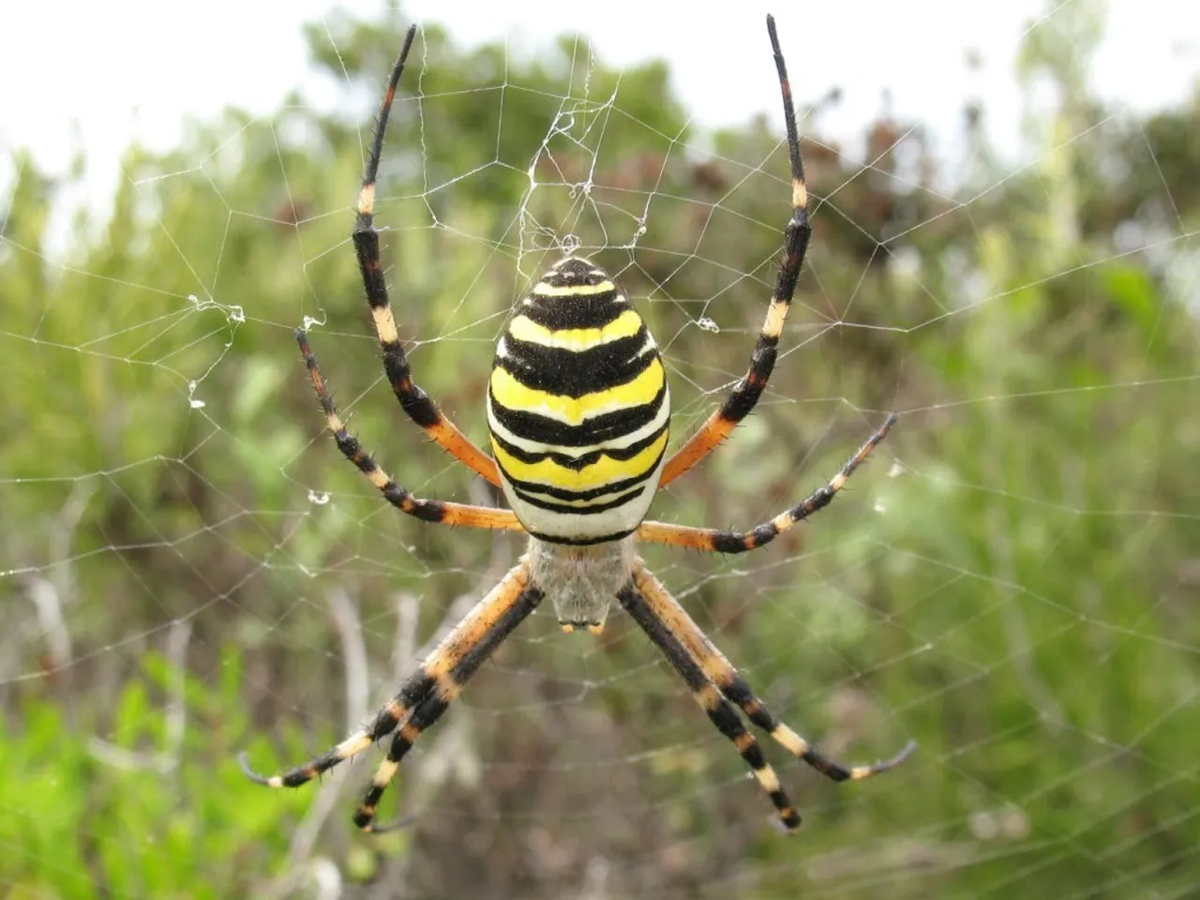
x=420 y=408
x=414 y=690
x=716 y=541
x=399 y=497
x=720 y=671
x=745 y=393
x=427 y=693
x=476 y=647
x=718 y=709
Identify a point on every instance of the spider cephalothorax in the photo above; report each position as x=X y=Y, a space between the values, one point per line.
x=578 y=409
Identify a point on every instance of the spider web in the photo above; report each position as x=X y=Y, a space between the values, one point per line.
x=190 y=570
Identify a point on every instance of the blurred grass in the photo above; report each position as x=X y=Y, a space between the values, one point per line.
x=1021 y=605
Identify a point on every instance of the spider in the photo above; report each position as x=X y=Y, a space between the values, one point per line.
x=578 y=411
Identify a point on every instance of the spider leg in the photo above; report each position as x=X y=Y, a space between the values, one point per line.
x=427 y=693
x=420 y=408
x=399 y=497
x=467 y=648
x=718 y=670
x=745 y=393
x=720 y=712
x=716 y=541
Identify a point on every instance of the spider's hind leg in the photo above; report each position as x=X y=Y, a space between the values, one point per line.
x=427 y=693
x=671 y=618
x=720 y=712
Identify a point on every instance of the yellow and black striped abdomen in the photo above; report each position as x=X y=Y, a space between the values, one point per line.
x=578 y=409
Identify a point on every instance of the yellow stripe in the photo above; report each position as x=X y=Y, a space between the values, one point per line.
x=601 y=472
x=353 y=745
x=544 y=289
x=385 y=773
x=575 y=339
x=768 y=779
x=776 y=316
x=511 y=394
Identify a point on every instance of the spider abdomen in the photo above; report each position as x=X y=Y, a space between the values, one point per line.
x=578 y=409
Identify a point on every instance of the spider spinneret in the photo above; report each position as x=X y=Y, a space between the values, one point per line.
x=578 y=412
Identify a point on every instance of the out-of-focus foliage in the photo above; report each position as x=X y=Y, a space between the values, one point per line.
x=1024 y=609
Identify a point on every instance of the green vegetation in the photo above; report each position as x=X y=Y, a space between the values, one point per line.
x=180 y=544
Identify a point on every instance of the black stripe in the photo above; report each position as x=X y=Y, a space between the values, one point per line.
x=470 y=661
x=538 y=487
x=366 y=246
x=419 y=686
x=591 y=494
x=575 y=373
x=591 y=311
x=299 y=775
x=582 y=542
x=747 y=391
x=738 y=691
x=635 y=604
x=427 y=712
x=740 y=542
x=578 y=463
x=594 y=430
x=366 y=812
x=727 y=722
x=579 y=510
x=795 y=245
x=412 y=397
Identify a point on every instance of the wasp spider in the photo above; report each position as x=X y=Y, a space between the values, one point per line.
x=578 y=409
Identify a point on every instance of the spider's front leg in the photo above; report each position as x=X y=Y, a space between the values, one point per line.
x=744 y=395
x=413 y=399
x=427 y=693
x=426 y=510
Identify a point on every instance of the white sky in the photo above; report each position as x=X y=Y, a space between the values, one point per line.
x=104 y=73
